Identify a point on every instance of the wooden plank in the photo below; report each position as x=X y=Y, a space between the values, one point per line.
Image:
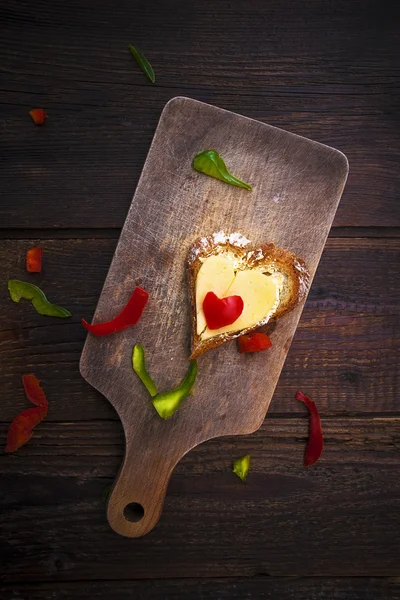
x=174 y=34
x=89 y=166
x=237 y=588
x=360 y=232
x=336 y=518
x=274 y=64
x=344 y=352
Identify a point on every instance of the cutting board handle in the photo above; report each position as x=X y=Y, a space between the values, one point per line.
x=138 y=494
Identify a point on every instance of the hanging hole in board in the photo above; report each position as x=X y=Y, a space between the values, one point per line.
x=134 y=512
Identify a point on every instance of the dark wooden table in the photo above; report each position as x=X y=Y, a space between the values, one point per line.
x=326 y=70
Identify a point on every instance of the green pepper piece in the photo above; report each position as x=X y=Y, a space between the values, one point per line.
x=142 y=62
x=139 y=366
x=23 y=289
x=210 y=163
x=167 y=403
x=241 y=467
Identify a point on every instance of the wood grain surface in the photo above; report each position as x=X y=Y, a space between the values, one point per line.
x=344 y=352
x=329 y=72
x=286 y=520
x=297 y=185
x=229 y=588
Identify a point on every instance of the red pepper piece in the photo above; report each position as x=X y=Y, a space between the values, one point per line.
x=254 y=342
x=33 y=390
x=21 y=429
x=34 y=260
x=129 y=315
x=38 y=115
x=315 y=441
x=220 y=312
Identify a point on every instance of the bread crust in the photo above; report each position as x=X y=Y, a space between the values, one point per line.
x=266 y=258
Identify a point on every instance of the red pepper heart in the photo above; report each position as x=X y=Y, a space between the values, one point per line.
x=220 y=312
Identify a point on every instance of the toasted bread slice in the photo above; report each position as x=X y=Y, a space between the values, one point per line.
x=270 y=280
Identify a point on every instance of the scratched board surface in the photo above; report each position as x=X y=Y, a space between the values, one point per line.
x=297 y=185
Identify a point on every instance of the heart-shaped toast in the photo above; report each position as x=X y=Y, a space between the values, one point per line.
x=269 y=280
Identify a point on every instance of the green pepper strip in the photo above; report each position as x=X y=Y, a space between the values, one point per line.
x=22 y=289
x=167 y=403
x=241 y=467
x=139 y=366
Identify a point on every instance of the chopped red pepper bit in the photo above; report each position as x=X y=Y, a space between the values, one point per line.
x=129 y=315
x=34 y=260
x=220 y=312
x=21 y=428
x=315 y=441
x=38 y=115
x=254 y=342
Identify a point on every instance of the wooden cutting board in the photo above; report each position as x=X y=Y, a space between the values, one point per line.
x=297 y=186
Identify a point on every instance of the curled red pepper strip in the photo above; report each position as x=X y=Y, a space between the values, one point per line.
x=129 y=315
x=33 y=390
x=220 y=312
x=315 y=441
x=21 y=428
x=34 y=260
x=254 y=342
